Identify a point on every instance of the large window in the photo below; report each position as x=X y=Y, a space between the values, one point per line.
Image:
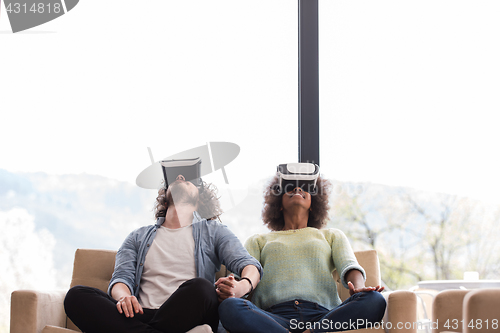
x=91 y=90
x=408 y=97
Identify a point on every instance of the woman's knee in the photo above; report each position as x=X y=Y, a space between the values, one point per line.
x=377 y=303
x=377 y=299
x=230 y=307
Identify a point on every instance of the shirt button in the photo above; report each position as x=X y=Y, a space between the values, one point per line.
x=141 y=263
x=296 y=302
x=148 y=244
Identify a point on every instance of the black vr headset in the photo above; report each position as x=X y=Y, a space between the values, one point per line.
x=292 y=175
x=189 y=168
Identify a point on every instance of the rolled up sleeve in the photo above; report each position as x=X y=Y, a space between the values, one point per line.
x=125 y=264
x=232 y=253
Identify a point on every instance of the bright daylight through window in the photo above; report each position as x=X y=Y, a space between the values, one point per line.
x=407 y=98
x=407 y=128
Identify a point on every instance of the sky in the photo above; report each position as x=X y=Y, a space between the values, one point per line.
x=408 y=90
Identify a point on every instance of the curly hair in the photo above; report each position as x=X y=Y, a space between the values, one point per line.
x=272 y=214
x=208 y=204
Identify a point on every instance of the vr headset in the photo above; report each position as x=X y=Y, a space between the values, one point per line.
x=292 y=175
x=189 y=168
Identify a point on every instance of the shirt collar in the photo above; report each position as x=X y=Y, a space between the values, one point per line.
x=159 y=221
x=196 y=218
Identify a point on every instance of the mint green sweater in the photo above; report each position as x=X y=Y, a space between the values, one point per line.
x=298 y=264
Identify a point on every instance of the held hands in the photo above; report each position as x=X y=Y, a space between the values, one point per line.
x=129 y=305
x=353 y=290
x=228 y=287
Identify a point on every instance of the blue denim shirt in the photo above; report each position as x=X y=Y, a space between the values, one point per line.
x=214 y=244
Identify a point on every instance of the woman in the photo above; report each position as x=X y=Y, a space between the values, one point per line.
x=297 y=292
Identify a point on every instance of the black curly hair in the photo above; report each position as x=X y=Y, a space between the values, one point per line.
x=272 y=215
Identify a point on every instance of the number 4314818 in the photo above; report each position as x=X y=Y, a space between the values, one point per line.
x=36 y=8
x=473 y=324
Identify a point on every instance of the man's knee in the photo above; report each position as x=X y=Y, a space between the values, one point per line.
x=202 y=283
x=201 y=287
x=73 y=296
x=74 y=293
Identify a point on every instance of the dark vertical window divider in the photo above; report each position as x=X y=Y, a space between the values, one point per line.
x=308 y=82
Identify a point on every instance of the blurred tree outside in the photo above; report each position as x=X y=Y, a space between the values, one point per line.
x=418 y=235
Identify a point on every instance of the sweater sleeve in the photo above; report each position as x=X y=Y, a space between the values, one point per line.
x=253 y=247
x=343 y=255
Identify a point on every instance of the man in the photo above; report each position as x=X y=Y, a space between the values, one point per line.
x=164 y=273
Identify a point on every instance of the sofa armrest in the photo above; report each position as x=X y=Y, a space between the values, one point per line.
x=447 y=311
x=401 y=312
x=31 y=310
x=481 y=311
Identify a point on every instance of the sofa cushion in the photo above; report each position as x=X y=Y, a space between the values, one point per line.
x=93 y=268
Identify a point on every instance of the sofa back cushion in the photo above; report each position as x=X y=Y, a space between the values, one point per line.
x=92 y=268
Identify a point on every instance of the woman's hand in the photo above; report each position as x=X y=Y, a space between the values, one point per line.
x=353 y=290
x=356 y=283
x=228 y=287
x=129 y=305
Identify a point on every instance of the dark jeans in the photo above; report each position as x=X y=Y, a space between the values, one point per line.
x=241 y=316
x=193 y=303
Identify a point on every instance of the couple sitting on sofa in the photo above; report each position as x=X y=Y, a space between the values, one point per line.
x=164 y=273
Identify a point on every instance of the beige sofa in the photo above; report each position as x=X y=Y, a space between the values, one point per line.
x=478 y=310
x=37 y=311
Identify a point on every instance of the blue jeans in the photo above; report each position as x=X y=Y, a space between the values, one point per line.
x=241 y=316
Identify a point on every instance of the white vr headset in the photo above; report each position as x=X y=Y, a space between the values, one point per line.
x=292 y=175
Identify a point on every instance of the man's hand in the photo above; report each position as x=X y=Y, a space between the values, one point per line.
x=353 y=290
x=228 y=287
x=129 y=305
